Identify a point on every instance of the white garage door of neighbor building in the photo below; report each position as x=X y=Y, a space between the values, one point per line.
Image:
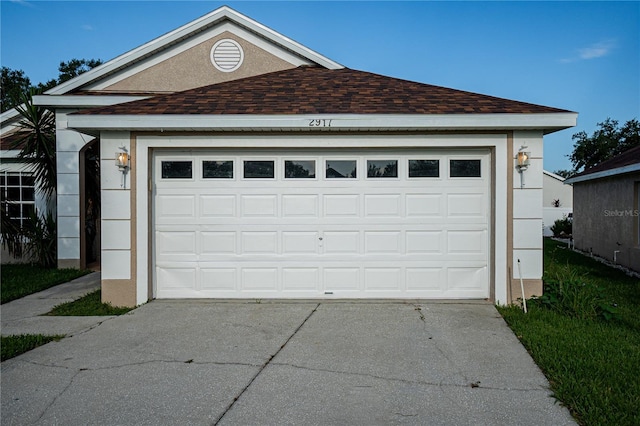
x=328 y=224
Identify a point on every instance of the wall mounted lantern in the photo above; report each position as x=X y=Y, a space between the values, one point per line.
x=522 y=163
x=122 y=162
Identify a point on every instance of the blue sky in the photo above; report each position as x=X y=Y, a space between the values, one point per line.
x=582 y=56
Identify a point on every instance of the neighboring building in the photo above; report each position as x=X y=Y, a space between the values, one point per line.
x=606 y=206
x=262 y=169
x=557 y=199
x=18 y=193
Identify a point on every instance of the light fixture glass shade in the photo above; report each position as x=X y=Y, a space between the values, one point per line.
x=523 y=158
x=122 y=160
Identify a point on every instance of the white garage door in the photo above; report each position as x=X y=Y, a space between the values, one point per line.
x=334 y=224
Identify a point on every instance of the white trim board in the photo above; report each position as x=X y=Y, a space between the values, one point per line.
x=605 y=173
x=167 y=122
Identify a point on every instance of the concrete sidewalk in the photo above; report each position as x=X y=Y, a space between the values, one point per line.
x=24 y=316
x=279 y=363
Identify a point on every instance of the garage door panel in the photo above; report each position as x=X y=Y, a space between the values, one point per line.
x=176 y=206
x=466 y=205
x=259 y=242
x=424 y=280
x=176 y=242
x=345 y=279
x=383 y=279
x=342 y=205
x=259 y=205
x=460 y=278
x=301 y=242
x=218 y=279
x=300 y=279
x=305 y=206
x=341 y=242
x=218 y=242
x=259 y=279
x=467 y=241
x=382 y=205
x=176 y=278
x=424 y=205
x=341 y=237
x=382 y=242
x=217 y=206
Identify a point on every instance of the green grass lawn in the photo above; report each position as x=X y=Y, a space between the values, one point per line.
x=19 y=280
x=591 y=362
x=89 y=305
x=13 y=346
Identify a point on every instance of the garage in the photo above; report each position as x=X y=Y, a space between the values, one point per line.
x=331 y=223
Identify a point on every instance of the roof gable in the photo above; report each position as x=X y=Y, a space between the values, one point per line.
x=316 y=90
x=166 y=55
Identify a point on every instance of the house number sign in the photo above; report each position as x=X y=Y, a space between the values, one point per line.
x=322 y=122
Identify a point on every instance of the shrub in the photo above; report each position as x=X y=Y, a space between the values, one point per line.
x=562 y=226
x=40 y=239
x=569 y=293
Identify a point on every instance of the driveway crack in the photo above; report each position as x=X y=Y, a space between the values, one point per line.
x=224 y=413
x=44 y=412
x=441 y=384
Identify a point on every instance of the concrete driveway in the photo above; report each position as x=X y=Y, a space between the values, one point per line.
x=279 y=363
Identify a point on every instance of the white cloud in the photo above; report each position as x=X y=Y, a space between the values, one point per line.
x=596 y=50
x=87 y=27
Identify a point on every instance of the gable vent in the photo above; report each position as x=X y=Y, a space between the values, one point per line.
x=227 y=55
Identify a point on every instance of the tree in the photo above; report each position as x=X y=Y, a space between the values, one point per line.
x=564 y=173
x=69 y=70
x=606 y=142
x=37 y=142
x=75 y=67
x=14 y=83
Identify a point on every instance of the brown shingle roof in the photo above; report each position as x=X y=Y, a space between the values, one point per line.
x=626 y=158
x=10 y=141
x=316 y=90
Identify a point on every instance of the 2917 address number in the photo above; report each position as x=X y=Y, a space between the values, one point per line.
x=322 y=122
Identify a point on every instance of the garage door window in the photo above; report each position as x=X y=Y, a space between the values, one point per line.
x=177 y=170
x=259 y=169
x=217 y=169
x=464 y=168
x=424 y=168
x=382 y=168
x=341 y=169
x=301 y=169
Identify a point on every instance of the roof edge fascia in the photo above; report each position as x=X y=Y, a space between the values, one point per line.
x=181 y=32
x=9 y=115
x=9 y=154
x=553 y=175
x=84 y=101
x=549 y=122
x=605 y=173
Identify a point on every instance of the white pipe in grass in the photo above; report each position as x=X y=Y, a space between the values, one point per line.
x=524 y=301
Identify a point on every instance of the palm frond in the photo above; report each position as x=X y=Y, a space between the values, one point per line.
x=37 y=143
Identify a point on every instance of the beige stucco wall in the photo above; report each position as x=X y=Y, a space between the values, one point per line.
x=605 y=218
x=193 y=68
